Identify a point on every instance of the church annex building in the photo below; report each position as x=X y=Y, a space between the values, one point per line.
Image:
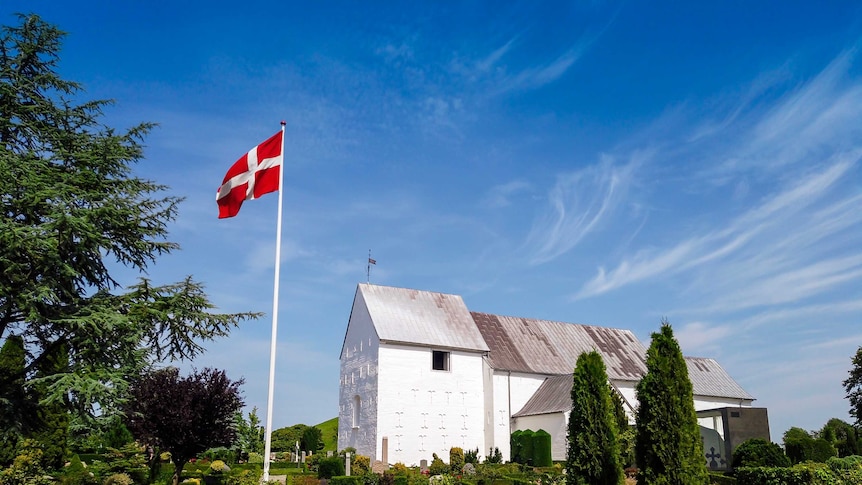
x=420 y=373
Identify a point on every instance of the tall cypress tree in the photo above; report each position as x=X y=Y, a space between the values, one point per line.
x=12 y=397
x=593 y=453
x=668 y=445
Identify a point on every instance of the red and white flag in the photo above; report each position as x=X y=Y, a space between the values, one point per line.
x=253 y=175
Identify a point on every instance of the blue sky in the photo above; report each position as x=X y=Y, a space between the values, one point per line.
x=590 y=162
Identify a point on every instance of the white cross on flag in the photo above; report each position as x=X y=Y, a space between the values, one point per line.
x=254 y=174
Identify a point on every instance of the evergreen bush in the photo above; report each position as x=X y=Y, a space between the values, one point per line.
x=542 y=448
x=437 y=466
x=515 y=446
x=456 y=459
x=525 y=447
x=759 y=452
x=668 y=445
x=330 y=467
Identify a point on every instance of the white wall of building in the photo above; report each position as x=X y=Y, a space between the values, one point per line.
x=423 y=411
x=702 y=403
x=358 y=389
x=511 y=391
x=555 y=424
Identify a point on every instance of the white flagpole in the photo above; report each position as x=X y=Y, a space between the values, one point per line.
x=273 y=341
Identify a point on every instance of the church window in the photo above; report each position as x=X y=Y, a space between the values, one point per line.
x=357 y=403
x=439 y=360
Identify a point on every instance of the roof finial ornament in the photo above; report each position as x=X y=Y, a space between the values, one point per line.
x=368 y=267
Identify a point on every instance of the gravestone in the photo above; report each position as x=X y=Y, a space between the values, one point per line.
x=423 y=466
x=347 y=464
x=329 y=454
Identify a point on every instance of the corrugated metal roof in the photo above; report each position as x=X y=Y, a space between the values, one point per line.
x=421 y=317
x=544 y=347
x=708 y=378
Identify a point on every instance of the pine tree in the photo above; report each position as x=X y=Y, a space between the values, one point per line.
x=71 y=213
x=668 y=445
x=853 y=386
x=592 y=456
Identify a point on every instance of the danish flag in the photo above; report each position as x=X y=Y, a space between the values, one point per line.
x=256 y=173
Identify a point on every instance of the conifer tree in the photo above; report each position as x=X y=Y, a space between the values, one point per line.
x=12 y=398
x=668 y=445
x=71 y=213
x=592 y=456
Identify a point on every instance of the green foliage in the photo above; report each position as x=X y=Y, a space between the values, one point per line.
x=542 y=448
x=27 y=467
x=853 y=386
x=219 y=453
x=800 y=446
x=359 y=464
x=77 y=474
x=330 y=467
x=437 y=466
x=800 y=474
x=13 y=399
x=494 y=456
x=72 y=214
x=343 y=480
x=250 y=436
x=284 y=439
x=52 y=427
x=456 y=459
x=592 y=455
x=255 y=457
x=118 y=479
x=329 y=433
x=471 y=456
x=759 y=452
x=843 y=436
x=515 y=446
x=524 y=443
x=311 y=439
x=668 y=444
x=852 y=462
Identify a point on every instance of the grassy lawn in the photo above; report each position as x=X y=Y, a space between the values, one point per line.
x=329 y=430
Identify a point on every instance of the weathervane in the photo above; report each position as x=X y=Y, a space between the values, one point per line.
x=368 y=267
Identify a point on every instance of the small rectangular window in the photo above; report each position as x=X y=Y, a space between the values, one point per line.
x=439 y=360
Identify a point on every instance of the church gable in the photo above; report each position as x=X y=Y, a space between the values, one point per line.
x=425 y=318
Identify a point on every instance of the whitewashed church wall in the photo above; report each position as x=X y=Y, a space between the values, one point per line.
x=555 y=424
x=423 y=411
x=710 y=402
x=511 y=392
x=627 y=390
x=357 y=412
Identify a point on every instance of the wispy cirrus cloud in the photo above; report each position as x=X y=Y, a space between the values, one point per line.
x=579 y=202
x=803 y=237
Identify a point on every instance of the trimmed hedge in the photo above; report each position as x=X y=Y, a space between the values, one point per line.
x=345 y=480
x=542 y=448
x=808 y=473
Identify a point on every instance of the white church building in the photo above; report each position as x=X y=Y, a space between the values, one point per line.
x=420 y=373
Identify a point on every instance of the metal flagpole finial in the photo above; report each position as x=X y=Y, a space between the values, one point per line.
x=368 y=267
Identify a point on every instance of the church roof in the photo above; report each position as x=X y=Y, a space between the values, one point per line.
x=545 y=347
x=708 y=379
x=426 y=318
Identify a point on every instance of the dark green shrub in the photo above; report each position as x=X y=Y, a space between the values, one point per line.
x=77 y=474
x=525 y=447
x=494 y=456
x=593 y=453
x=343 y=480
x=437 y=466
x=668 y=444
x=221 y=453
x=542 y=448
x=852 y=462
x=759 y=452
x=515 y=446
x=716 y=478
x=471 y=456
x=330 y=467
